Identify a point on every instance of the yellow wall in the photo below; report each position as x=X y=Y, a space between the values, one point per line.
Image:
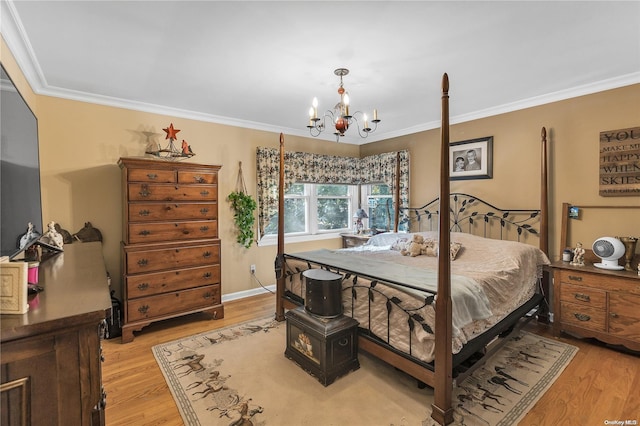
x=80 y=144
x=573 y=131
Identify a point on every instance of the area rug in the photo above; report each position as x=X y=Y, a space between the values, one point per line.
x=240 y=376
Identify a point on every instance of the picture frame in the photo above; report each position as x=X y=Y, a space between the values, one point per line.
x=471 y=159
x=13 y=288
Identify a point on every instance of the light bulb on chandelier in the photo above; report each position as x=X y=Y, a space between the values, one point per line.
x=340 y=116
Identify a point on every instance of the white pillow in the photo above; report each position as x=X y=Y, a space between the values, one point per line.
x=384 y=239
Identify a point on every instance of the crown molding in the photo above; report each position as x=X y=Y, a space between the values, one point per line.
x=15 y=36
x=587 y=89
x=561 y=95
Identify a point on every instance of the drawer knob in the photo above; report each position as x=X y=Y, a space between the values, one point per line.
x=185 y=232
x=144 y=232
x=143 y=262
x=143 y=309
x=144 y=190
x=152 y=176
x=206 y=275
x=144 y=212
x=198 y=179
x=204 y=228
x=204 y=211
x=582 y=297
x=613 y=315
x=204 y=193
x=206 y=254
x=143 y=286
x=207 y=295
x=343 y=342
x=582 y=317
x=575 y=277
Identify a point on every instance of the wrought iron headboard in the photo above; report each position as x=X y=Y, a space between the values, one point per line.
x=472 y=215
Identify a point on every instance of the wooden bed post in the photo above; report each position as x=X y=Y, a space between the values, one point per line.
x=280 y=256
x=396 y=210
x=564 y=233
x=543 y=312
x=442 y=412
x=544 y=197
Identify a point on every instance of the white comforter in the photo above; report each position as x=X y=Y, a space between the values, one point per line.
x=490 y=278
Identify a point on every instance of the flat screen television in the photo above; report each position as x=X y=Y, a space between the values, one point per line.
x=20 y=198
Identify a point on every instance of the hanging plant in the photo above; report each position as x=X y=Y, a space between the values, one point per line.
x=243 y=207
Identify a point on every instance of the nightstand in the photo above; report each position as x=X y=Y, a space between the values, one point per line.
x=598 y=303
x=354 y=240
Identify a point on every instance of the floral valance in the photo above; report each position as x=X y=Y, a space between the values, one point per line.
x=305 y=167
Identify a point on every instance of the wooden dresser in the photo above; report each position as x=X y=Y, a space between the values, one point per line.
x=598 y=303
x=51 y=356
x=170 y=244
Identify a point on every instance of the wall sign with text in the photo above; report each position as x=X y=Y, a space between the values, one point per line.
x=620 y=162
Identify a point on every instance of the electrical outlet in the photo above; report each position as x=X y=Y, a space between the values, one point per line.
x=253 y=269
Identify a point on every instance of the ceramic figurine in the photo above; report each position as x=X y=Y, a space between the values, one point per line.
x=52 y=236
x=578 y=255
x=28 y=236
x=88 y=233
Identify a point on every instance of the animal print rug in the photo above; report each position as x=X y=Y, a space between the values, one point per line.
x=240 y=376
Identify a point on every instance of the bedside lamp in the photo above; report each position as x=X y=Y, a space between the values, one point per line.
x=358 y=216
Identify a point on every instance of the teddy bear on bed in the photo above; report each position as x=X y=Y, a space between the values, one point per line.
x=429 y=248
x=414 y=247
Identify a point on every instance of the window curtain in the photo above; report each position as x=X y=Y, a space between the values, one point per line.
x=324 y=169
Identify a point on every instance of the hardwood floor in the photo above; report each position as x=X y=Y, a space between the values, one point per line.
x=137 y=393
x=600 y=384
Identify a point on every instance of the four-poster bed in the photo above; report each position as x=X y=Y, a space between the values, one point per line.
x=379 y=294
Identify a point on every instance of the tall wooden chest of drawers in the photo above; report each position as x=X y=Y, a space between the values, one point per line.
x=597 y=303
x=170 y=244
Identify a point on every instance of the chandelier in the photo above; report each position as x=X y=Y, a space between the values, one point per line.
x=341 y=117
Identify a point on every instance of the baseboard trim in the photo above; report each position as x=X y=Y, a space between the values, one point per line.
x=248 y=293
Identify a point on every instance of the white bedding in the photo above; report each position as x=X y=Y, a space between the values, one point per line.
x=490 y=278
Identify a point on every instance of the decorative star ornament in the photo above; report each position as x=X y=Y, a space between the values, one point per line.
x=171 y=132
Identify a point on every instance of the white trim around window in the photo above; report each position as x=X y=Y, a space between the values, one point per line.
x=312 y=232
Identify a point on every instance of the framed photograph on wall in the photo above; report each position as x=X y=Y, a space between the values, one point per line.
x=471 y=159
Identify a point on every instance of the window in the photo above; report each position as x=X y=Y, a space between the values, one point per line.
x=380 y=208
x=313 y=209
x=323 y=210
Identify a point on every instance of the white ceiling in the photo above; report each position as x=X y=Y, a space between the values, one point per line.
x=259 y=64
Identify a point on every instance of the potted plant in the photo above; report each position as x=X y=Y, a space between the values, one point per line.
x=243 y=207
